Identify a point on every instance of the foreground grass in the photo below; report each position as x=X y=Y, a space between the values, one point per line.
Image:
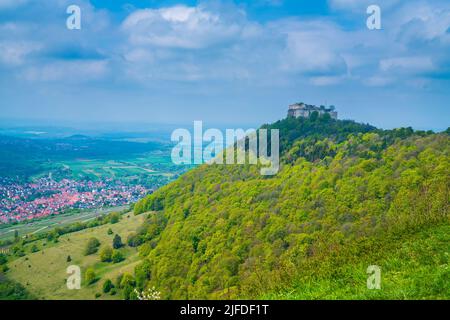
x=43 y=273
x=411 y=267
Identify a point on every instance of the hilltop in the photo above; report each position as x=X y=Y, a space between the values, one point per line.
x=347 y=196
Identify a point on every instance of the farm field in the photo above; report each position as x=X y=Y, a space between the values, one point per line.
x=44 y=275
x=148 y=165
x=48 y=223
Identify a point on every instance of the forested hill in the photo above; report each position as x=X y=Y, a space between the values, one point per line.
x=347 y=196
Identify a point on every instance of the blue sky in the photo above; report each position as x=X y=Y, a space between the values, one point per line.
x=230 y=62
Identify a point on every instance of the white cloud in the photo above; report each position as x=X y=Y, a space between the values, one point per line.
x=219 y=42
x=378 y=81
x=418 y=21
x=10 y=4
x=326 y=80
x=360 y=5
x=407 y=64
x=180 y=27
x=15 y=53
x=69 y=71
x=311 y=48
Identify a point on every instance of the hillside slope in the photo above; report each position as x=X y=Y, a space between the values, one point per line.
x=43 y=272
x=346 y=195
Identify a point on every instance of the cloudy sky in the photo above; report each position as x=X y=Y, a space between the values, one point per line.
x=235 y=62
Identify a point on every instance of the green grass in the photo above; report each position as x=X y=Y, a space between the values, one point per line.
x=43 y=273
x=414 y=266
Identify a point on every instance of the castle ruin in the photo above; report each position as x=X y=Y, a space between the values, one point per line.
x=306 y=110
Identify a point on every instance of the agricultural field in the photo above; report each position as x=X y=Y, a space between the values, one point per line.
x=83 y=157
x=43 y=273
x=51 y=222
x=152 y=167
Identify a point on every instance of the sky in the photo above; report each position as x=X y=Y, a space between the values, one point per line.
x=228 y=62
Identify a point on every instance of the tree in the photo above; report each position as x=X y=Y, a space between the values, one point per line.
x=114 y=217
x=16 y=235
x=119 y=280
x=91 y=246
x=117 y=256
x=34 y=248
x=134 y=240
x=107 y=286
x=3 y=259
x=127 y=284
x=142 y=273
x=110 y=232
x=69 y=258
x=117 y=242
x=90 y=276
x=106 y=254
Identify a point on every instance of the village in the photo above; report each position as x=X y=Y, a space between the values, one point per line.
x=45 y=196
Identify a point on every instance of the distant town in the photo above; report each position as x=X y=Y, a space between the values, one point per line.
x=45 y=196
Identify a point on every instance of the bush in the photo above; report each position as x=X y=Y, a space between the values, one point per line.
x=119 y=280
x=91 y=246
x=90 y=276
x=106 y=254
x=114 y=217
x=134 y=240
x=107 y=286
x=3 y=259
x=142 y=273
x=117 y=256
x=109 y=232
x=10 y=290
x=127 y=283
x=117 y=242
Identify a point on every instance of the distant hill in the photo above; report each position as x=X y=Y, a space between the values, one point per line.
x=78 y=137
x=347 y=196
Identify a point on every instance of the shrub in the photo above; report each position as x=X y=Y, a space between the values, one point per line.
x=114 y=217
x=134 y=240
x=119 y=280
x=91 y=246
x=107 y=286
x=3 y=259
x=90 y=276
x=117 y=256
x=117 y=242
x=106 y=254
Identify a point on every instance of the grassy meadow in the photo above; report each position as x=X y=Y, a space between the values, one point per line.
x=43 y=273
